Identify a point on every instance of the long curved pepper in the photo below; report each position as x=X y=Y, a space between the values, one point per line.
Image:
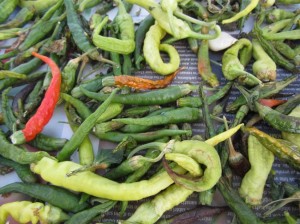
x=242 y=13
x=45 y=111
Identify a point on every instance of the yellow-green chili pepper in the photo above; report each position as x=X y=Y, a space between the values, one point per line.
x=253 y=183
x=152 y=48
x=264 y=67
x=33 y=212
x=234 y=61
x=126 y=43
x=242 y=13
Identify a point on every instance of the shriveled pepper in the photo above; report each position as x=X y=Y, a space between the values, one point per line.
x=45 y=111
x=253 y=183
x=152 y=48
x=137 y=82
x=33 y=212
x=126 y=43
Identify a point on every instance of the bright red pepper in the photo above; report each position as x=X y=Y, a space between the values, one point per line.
x=45 y=111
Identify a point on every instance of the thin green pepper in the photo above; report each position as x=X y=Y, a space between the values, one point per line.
x=160 y=96
x=53 y=195
x=84 y=129
x=7 y=7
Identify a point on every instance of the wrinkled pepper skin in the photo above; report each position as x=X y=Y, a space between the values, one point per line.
x=27 y=211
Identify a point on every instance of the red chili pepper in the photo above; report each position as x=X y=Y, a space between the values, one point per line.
x=140 y=83
x=45 y=111
x=271 y=102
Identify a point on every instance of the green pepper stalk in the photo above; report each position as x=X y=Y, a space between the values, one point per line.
x=183 y=29
x=234 y=61
x=264 y=67
x=253 y=183
x=124 y=45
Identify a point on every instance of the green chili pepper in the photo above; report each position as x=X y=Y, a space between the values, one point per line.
x=10 y=74
x=253 y=183
x=278 y=120
x=10 y=33
x=204 y=67
x=85 y=149
x=132 y=128
x=86 y=216
x=23 y=171
x=94 y=85
x=284 y=150
x=80 y=107
x=39 y=32
x=38 y=6
x=84 y=129
x=18 y=154
x=27 y=67
x=48 y=143
x=152 y=48
x=236 y=203
x=27 y=211
x=265 y=91
x=154 y=97
x=23 y=16
x=78 y=33
x=86 y=4
x=270 y=50
x=180 y=115
x=7 y=7
x=68 y=75
x=125 y=44
x=53 y=195
x=139 y=137
x=140 y=34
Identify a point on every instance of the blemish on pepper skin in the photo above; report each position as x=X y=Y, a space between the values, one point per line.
x=151 y=8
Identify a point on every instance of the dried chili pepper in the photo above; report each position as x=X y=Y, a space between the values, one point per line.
x=37 y=122
x=139 y=83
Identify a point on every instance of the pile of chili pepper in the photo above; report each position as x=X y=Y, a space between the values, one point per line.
x=170 y=129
